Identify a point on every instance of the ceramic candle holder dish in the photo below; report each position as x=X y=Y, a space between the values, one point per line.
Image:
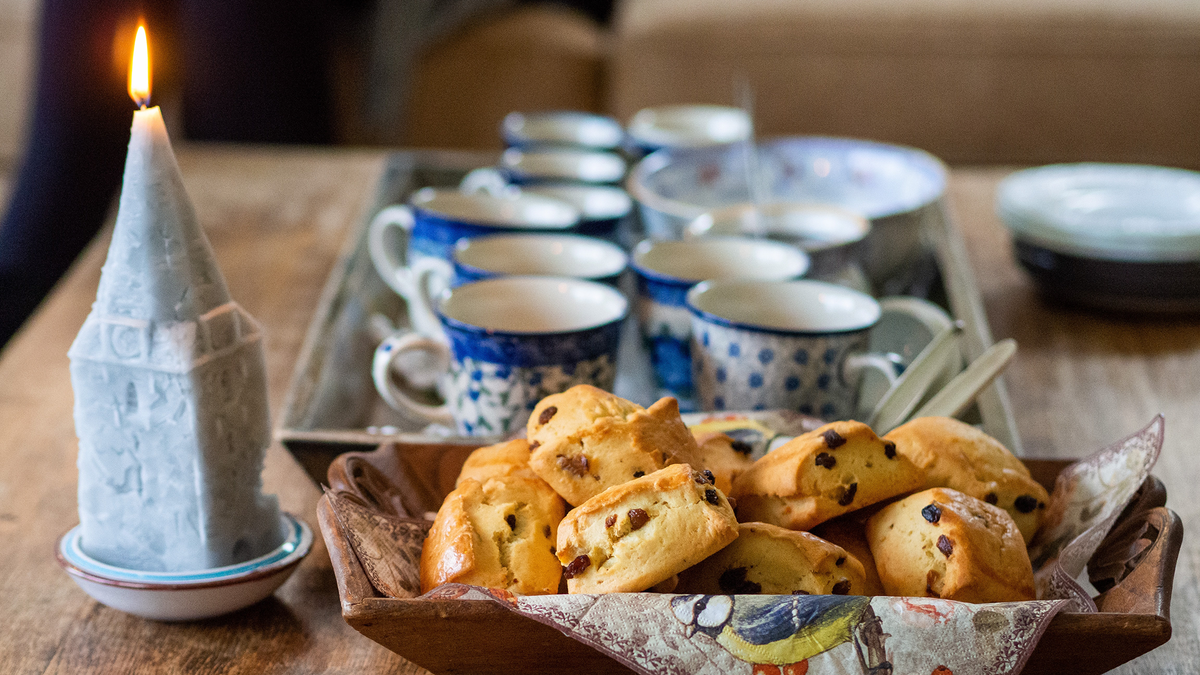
x=795 y=345
x=561 y=128
x=687 y=126
x=667 y=270
x=831 y=236
x=186 y=596
x=435 y=220
x=526 y=167
x=506 y=343
x=1112 y=236
x=553 y=255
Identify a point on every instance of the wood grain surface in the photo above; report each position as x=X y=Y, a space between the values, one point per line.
x=277 y=219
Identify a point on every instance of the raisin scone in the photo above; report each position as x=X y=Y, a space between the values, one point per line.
x=496 y=461
x=634 y=536
x=724 y=456
x=586 y=440
x=771 y=560
x=835 y=469
x=851 y=534
x=959 y=456
x=499 y=533
x=942 y=543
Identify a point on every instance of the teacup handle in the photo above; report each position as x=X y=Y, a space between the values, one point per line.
x=381 y=372
x=854 y=365
x=488 y=180
x=388 y=262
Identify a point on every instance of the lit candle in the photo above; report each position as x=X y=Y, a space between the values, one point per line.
x=170 y=385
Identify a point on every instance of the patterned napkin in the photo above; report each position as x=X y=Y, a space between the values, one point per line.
x=795 y=635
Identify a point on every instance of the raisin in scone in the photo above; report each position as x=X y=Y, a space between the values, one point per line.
x=498 y=533
x=725 y=457
x=586 y=440
x=942 y=543
x=959 y=456
x=771 y=560
x=496 y=461
x=635 y=536
x=832 y=470
x=851 y=534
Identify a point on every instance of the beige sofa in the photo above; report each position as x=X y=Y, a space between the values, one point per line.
x=973 y=81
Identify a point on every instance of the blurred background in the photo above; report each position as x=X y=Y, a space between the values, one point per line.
x=972 y=81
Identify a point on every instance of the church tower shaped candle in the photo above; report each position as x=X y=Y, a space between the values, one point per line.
x=170 y=388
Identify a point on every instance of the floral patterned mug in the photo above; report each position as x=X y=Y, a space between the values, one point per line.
x=503 y=345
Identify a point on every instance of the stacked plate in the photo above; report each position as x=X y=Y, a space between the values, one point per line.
x=1112 y=236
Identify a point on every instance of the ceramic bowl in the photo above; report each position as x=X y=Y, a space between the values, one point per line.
x=1113 y=236
x=561 y=128
x=687 y=126
x=524 y=167
x=186 y=596
x=554 y=255
x=887 y=184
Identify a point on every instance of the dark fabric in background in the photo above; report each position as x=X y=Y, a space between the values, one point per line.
x=249 y=71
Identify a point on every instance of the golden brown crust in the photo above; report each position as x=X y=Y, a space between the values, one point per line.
x=586 y=440
x=838 y=468
x=499 y=534
x=767 y=559
x=959 y=456
x=943 y=543
x=851 y=534
x=634 y=536
x=717 y=453
x=495 y=461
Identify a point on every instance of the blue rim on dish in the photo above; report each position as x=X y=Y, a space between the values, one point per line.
x=731 y=323
x=297 y=542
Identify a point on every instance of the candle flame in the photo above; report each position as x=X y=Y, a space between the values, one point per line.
x=139 y=70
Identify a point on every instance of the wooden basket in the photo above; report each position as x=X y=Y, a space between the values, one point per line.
x=1134 y=569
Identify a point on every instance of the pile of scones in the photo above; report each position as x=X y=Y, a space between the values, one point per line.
x=935 y=508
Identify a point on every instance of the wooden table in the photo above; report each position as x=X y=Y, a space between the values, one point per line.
x=277 y=219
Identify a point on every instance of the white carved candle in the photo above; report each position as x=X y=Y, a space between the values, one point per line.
x=170 y=386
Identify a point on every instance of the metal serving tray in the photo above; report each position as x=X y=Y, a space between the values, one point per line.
x=331 y=404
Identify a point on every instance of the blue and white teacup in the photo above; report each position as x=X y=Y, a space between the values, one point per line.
x=559 y=165
x=503 y=345
x=601 y=207
x=667 y=270
x=833 y=237
x=796 y=345
x=564 y=128
x=686 y=126
x=407 y=241
x=547 y=255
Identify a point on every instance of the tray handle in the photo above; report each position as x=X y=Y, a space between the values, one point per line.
x=1134 y=567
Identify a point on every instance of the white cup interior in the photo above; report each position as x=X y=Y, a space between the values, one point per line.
x=515 y=209
x=534 y=304
x=813 y=227
x=564 y=127
x=582 y=165
x=802 y=306
x=561 y=255
x=690 y=125
x=595 y=202
x=721 y=258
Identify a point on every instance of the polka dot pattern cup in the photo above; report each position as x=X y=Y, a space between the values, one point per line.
x=796 y=345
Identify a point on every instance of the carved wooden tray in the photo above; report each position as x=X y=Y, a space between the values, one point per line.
x=1133 y=569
